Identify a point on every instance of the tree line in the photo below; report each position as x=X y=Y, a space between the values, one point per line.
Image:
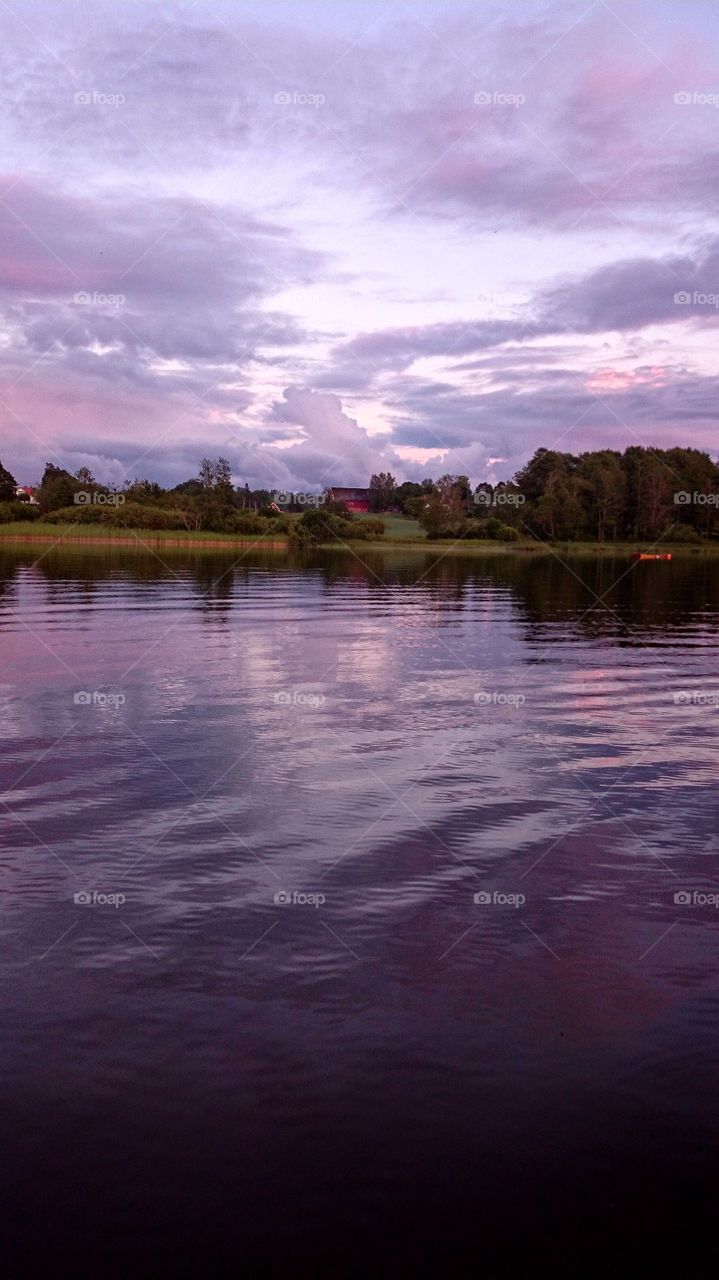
x=602 y=495
x=209 y=502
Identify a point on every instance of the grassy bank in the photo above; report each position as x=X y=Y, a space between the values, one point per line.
x=44 y=533
x=476 y=547
x=402 y=534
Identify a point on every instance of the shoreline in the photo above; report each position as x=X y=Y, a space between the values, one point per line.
x=151 y=541
x=144 y=544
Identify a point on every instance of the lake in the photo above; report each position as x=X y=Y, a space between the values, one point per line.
x=364 y=905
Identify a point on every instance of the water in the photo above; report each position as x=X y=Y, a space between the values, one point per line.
x=198 y=1070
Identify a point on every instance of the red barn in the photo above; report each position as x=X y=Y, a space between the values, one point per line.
x=354 y=499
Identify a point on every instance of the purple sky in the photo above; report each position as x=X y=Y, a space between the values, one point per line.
x=329 y=238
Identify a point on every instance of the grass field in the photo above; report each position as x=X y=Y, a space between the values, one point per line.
x=45 y=531
x=400 y=527
x=401 y=532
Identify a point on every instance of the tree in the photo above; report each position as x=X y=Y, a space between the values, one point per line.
x=138 y=490
x=215 y=497
x=223 y=479
x=57 y=488
x=405 y=492
x=443 y=515
x=382 y=489
x=649 y=491
x=8 y=485
x=207 y=474
x=191 y=488
x=603 y=487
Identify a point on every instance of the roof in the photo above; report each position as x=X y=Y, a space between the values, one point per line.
x=349 y=495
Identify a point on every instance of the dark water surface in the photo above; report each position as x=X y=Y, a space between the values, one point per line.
x=204 y=1076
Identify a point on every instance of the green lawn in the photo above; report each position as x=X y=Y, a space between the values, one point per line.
x=399 y=527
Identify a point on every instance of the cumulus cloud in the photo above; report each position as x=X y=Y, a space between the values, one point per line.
x=334 y=448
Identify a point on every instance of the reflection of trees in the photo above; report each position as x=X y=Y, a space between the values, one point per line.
x=545 y=587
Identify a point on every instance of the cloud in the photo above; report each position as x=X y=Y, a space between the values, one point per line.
x=298 y=215
x=334 y=448
x=622 y=296
x=176 y=277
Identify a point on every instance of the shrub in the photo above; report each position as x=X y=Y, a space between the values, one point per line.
x=248 y=522
x=683 y=533
x=368 y=530
x=137 y=515
x=317 y=526
x=320 y=525
x=507 y=533
x=130 y=515
x=12 y=511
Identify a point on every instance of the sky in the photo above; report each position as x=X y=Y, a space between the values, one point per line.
x=325 y=239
